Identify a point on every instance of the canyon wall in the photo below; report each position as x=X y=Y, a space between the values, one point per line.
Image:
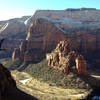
x=39 y=40
x=13 y=31
x=50 y=27
x=66 y=60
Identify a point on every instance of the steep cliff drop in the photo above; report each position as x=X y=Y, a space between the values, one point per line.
x=8 y=88
x=42 y=37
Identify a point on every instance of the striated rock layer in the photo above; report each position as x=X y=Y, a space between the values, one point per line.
x=66 y=60
x=14 y=31
x=42 y=37
x=83 y=18
x=8 y=89
x=50 y=27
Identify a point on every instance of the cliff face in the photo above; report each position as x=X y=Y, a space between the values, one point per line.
x=80 y=26
x=8 y=89
x=86 y=43
x=9 y=45
x=42 y=37
x=65 y=59
x=71 y=18
x=13 y=30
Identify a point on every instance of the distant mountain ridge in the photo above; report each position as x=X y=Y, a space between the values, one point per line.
x=78 y=24
x=13 y=25
x=85 y=18
x=13 y=30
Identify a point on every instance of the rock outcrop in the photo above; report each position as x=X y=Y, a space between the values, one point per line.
x=14 y=31
x=16 y=53
x=50 y=27
x=8 y=88
x=42 y=37
x=66 y=60
x=80 y=64
x=84 y=18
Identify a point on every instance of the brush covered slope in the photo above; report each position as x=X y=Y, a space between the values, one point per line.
x=47 y=87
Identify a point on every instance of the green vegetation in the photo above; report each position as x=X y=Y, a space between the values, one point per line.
x=44 y=73
x=44 y=91
x=7 y=62
x=53 y=77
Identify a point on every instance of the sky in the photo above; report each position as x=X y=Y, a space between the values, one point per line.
x=17 y=8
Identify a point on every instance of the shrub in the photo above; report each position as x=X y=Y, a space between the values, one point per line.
x=46 y=74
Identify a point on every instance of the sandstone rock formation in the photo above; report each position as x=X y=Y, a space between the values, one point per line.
x=8 y=89
x=84 y=18
x=13 y=27
x=66 y=60
x=42 y=37
x=80 y=26
x=80 y=64
x=16 y=53
x=14 y=31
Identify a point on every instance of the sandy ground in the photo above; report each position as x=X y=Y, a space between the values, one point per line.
x=44 y=91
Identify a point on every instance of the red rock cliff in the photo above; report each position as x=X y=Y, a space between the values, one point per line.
x=43 y=36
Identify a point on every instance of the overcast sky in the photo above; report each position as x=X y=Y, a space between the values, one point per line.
x=17 y=8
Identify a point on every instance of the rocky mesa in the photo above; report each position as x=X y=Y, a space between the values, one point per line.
x=49 y=27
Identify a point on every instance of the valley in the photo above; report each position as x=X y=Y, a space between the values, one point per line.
x=51 y=55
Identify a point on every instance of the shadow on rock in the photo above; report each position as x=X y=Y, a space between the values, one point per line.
x=8 y=88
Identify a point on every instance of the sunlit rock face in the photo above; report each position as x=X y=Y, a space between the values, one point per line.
x=48 y=27
x=80 y=64
x=71 y=18
x=42 y=37
x=66 y=60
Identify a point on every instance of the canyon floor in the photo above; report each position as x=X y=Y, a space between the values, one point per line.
x=44 y=91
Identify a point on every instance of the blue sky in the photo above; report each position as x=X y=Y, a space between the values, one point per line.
x=17 y=8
